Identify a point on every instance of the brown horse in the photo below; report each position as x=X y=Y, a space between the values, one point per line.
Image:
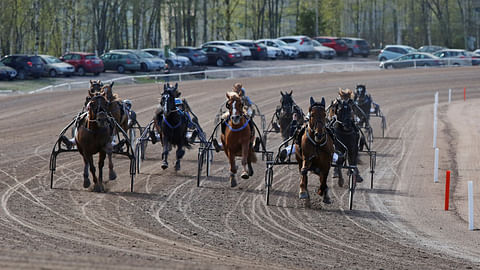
x=238 y=137
x=315 y=151
x=115 y=106
x=94 y=136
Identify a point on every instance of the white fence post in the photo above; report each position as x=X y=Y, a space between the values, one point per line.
x=435 y=107
x=470 y=205
x=449 y=96
x=435 y=169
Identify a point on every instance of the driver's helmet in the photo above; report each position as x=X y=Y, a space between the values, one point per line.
x=128 y=103
x=178 y=101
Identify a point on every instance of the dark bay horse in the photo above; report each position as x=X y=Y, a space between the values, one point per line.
x=94 y=136
x=315 y=151
x=289 y=115
x=172 y=125
x=116 y=107
x=363 y=103
x=238 y=137
x=347 y=134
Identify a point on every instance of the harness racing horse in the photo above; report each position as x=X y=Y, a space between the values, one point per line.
x=172 y=125
x=315 y=151
x=346 y=133
x=289 y=115
x=94 y=136
x=238 y=137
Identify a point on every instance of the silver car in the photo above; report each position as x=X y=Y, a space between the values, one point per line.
x=54 y=66
x=148 y=62
x=455 y=57
x=287 y=51
x=173 y=61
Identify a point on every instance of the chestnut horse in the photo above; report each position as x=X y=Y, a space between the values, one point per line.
x=238 y=137
x=315 y=151
x=94 y=136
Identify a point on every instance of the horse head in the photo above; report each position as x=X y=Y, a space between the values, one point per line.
x=98 y=110
x=235 y=106
x=360 y=91
x=344 y=113
x=317 y=120
x=95 y=87
x=168 y=100
x=287 y=102
x=108 y=91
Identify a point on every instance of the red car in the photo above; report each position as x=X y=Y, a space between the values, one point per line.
x=84 y=62
x=338 y=44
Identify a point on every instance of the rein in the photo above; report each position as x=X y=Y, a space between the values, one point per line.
x=313 y=141
x=240 y=128
x=170 y=125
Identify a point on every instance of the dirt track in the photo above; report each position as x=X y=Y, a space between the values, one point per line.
x=170 y=223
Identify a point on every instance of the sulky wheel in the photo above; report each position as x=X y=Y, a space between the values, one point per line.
x=138 y=155
x=201 y=156
x=268 y=183
x=352 y=182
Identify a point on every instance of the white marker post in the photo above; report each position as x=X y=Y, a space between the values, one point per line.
x=449 y=96
x=435 y=107
x=470 y=205
x=435 y=169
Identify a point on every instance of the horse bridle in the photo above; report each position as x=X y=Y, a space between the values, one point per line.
x=99 y=109
x=341 y=121
x=322 y=138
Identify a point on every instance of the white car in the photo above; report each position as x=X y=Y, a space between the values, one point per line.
x=323 y=51
x=287 y=51
x=239 y=48
x=273 y=52
x=303 y=44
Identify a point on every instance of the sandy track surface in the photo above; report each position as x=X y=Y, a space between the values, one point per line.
x=170 y=223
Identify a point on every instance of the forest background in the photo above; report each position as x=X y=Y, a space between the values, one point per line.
x=56 y=26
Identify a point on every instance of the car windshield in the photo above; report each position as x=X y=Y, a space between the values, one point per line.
x=281 y=42
x=410 y=49
x=172 y=54
x=362 y=42
x=52 y=60
x=316 y=43
x=143 y=54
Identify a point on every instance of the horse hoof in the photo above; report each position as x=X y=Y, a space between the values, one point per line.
x=97 y=188
x=359 y=179
x=340 y=182
x=164 y=165
x=327 y=200
x=303 y=195
x=112 y=175
x=177 y=165
x=153 y=137
x=86 y=183
x=233 y=182
x=245 y=175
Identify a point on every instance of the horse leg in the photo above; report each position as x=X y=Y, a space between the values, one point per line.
x=101 y=162
x=111 y=173
x=233 y=169
x=180 y=153
x=245 y=154
x=303 y=193
x=353 y=161
x=92 y=170
x=86 y=181
x=165 y=154
x=337 y=172
x=323 y=190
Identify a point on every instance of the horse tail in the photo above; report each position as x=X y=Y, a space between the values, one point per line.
x=252 y=156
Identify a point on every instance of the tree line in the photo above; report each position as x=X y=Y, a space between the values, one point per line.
x=56 y=26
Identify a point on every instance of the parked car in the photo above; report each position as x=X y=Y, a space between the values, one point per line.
x=431 y=48
x=335 y=43
x=172 y=60
x=148 y=62
x=415 y=59
x=258 y=50
x=121 y=61
x=357 y=46
x=287 y=50
x=323 y=51
x=195 y=55
x=7 y=72
x=84 y=62
x=273 y=52
x=222 y=55
x=242 y=49
x=455 y=57
x=25 y=65
x=246 y=54
x=394 y=51
x=54 y=66
x=475 y=58
x=476 y=52
x=302 y=43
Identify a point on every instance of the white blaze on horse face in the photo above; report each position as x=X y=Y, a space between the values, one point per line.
x=235 y=117
x=234 y=109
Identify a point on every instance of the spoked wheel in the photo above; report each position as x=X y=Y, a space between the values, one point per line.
x=209 y=159
x=352 y=183
x=268 y=183
x=201 y=156
x=138 y=155
x=384 y=126
x=373 y=161
x=370 y=137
